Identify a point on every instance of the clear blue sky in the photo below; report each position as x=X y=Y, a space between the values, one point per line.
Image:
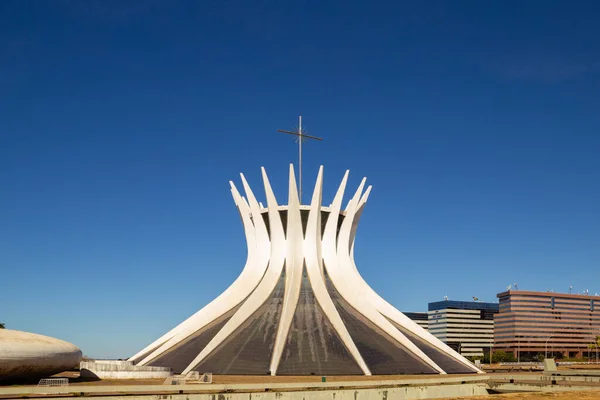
x=122 y=122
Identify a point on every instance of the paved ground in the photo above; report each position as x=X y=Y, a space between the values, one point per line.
x=233 y=379
x=592 y=395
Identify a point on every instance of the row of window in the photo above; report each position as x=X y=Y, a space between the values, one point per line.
x=587 y=304
x=548 y=310
x=546 y=329
x=547 y=338
x=543 y=326
x=545 y=307
x=526 y=317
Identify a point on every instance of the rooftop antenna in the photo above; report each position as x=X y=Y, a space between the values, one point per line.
x=446 y=298
x=508 y=288
x=475 y=298
x=570 y=289
x=515 y=286
x=301 y=138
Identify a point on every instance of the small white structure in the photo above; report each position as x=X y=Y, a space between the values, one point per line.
x=300 y=306
x=117 y=369
x=26 y=355
x=53 y=382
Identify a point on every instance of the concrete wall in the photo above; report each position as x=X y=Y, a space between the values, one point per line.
x=113 y=369
x=391 y=393
x=424 y=392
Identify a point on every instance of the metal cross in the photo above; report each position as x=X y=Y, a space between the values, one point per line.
x=301 y=138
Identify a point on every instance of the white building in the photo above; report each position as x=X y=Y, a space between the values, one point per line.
x=421 y=318
x=300 y=305
x=465 y=326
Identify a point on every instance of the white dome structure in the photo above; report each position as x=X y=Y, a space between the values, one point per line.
x=300 y=306
x=25 y=355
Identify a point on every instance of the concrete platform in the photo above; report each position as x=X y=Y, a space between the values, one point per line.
x=367 y=388
x=573 y=372
x=421 y=388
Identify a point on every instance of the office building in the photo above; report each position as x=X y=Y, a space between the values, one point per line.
x=466 y=326
x=548 y=323
x=421 y=318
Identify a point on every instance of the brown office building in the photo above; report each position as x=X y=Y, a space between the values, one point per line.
x=533 y=323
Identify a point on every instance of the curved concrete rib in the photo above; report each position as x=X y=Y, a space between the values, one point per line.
x=315 y=249
x=360 y=208
x=270 y=251
x=231 y=297
x=354 y=293
x=276 y=254
x=389 y=311
x=293 y=276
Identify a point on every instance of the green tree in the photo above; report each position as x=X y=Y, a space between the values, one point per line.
x=502 y=356
x=591 y=348
x=2 y=326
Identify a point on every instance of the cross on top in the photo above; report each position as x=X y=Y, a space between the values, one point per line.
x=301 y=137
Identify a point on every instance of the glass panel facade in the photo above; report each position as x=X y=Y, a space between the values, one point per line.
x=382 y=354
x=313 y=347
x=248 y=350
x=445 y=362
x=182 y=355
